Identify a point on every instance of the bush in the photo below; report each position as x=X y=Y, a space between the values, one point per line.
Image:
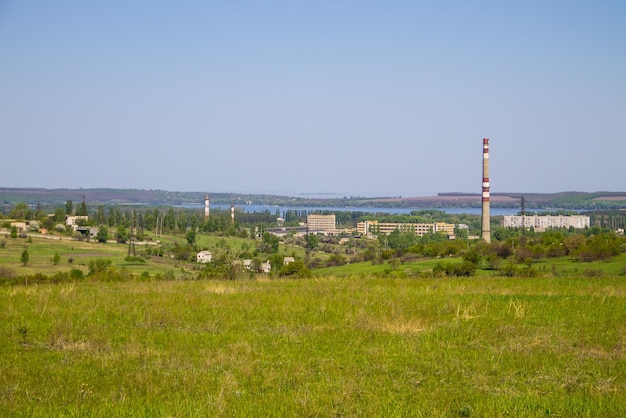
x=297 y=269
x=99 y=265
x=6 y=273
x=76 y=274
x=592 y=273
x=135 y=259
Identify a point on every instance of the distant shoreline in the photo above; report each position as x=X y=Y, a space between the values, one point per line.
x=105 y=196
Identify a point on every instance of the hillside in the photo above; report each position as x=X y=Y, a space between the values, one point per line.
x=562 y=200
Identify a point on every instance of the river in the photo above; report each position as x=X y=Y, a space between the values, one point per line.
x=282 y=209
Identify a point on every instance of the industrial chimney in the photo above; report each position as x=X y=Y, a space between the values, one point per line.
x=486 y=227
x=206 y=207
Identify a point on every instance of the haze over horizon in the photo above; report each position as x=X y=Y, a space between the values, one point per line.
x=351 y=98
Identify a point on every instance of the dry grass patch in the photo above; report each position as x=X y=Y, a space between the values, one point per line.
x=220 y=288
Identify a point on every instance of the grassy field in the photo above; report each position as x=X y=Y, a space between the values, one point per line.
x=354 y=346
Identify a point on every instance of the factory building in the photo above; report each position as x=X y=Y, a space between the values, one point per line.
x=420 y=229
x=541 y=223
x=321 y=223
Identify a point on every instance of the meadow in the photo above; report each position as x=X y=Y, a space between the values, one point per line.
x=351 y=346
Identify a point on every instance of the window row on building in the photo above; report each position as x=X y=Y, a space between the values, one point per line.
x=419 y=229
x=545 y=222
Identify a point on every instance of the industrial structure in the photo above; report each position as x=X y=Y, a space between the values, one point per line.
x=541 y=223
x=485 y=219
x=419 y=229
x=321 y=223
x=206 y=207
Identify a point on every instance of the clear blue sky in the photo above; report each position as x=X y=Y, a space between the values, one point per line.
x=349 y=97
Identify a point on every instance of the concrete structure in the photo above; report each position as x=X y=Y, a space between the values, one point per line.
x=486 y=218
x=421 y=229
x=232 y=213
x=266 y=267
x=288 y=260
x=20 y=226
x=206 y=207
x=321 y=223
x=544 y=222
x=204 y=257
x=74 y=221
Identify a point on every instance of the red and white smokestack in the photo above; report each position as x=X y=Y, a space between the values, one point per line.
x=486 y=227
x=232 y=213
x=206 y=207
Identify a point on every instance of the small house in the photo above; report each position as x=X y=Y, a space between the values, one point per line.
x=204 y=257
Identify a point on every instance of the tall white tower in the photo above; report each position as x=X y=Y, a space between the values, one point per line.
x=486 y=227
x=206 y=207
x=232 y=213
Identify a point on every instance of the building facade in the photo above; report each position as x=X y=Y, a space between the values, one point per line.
x=546 y=222
x=421 y=229
x=321 y=223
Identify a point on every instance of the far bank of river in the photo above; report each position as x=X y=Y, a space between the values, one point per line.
x=280 y=210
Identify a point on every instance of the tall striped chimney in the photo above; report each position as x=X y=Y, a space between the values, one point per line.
x=206 y=207
x=232 y=213
x=486 y=227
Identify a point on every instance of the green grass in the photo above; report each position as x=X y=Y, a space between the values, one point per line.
x=565 y=266
x=355 y=346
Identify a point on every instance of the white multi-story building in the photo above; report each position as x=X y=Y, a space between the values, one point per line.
x=545 y=222
x=421 y=229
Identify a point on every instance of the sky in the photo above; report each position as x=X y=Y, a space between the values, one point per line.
x=355 y=98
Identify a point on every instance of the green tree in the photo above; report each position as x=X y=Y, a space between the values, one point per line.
x=59 y=215
x=20 y=211
x=269 y=243
x=103 y=234
x=25 y=257
x=191 y=237
x=312 y=241
x=56 y=259
x=69 y=207
x=82 y=208
x=122 y=234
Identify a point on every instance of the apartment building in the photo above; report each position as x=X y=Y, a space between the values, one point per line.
x=545 y=222
x=420 y=229
x=321 y=223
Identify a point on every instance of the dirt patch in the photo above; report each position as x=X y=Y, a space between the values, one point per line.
x=611 y=198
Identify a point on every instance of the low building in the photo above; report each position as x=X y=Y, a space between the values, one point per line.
x=266 y=267
x=20 y=226
x=204 y=257
x=75 y=221
x=545 y=222
x=288 y=260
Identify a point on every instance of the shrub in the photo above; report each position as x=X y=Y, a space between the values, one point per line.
x=6 y=273
x=76 y=274
x=592 y=273
x=135 y=259
x=297 y=269
x=99 y=265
